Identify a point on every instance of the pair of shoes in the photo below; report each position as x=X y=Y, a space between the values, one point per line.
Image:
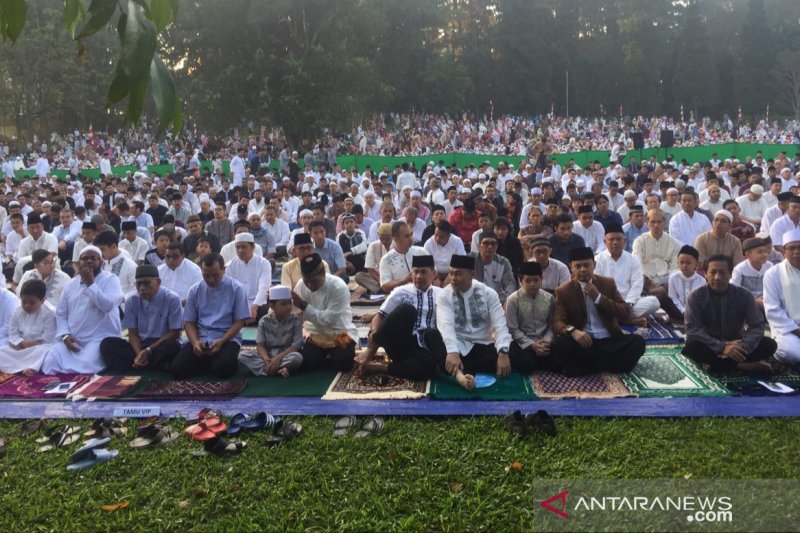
x=59 y=437
x=220 y=447
x=284 y=431
x=91 y=454
x=244 y=422
x=107 y=427
x=540 y=421
x=152 y=435
x=209 y=425
x=369 y=428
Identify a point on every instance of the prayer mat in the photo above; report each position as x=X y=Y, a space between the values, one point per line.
x=249 y=335
x=515 y=387
x=313 y=384
x=663 y=372
x=658 y=331
x=555 y=386
x=360 y=298
x=194 y=390
x=35 y=387
x=750 y=386
x=106 y=387
x=352 y=386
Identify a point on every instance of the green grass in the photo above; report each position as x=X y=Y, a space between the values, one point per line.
x=418 y=475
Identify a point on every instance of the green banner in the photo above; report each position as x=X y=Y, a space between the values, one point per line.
x=362 y=162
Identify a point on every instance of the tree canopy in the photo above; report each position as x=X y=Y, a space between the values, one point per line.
x=313 y=64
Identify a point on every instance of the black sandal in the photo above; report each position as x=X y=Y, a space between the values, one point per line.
x=223 y=448
x=515 y=423
x=542 y=421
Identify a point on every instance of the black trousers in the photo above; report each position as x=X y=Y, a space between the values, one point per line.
x=118 y=354
x=481 y=358
x=340 y=359
x=669 y=306
x=396 y=335
x=525 y=361
x=703 y=355
x=224 y=364
x=614 y=354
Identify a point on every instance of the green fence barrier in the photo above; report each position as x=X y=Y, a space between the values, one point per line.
x=586 y=157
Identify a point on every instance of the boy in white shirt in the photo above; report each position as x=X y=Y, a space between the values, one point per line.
x=686 y=279
x=749 y=274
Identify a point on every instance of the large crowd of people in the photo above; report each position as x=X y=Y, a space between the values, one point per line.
x=480 y=269
x=383 y=135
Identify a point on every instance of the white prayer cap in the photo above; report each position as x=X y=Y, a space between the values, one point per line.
x=680 y=184
x=536 y=190
x=629 y=194
x=13 y=203
x=481 y=176
x=757 y=189
x=91 y=248
x=407 y=187
x=580 y=183
x=548 y=179
x=430 y=163
x=306 y=213
x=205 y=198
x=466 y=190
x=368 y=193
x=791 y=236
x=280 y=292
x=727 y=214
x=244 y=237
x=672 y=190
x=416 y=194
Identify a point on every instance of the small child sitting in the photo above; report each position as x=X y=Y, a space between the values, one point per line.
x=31 y=331
x=279 y=337
x=749 y=274
x=686 y=279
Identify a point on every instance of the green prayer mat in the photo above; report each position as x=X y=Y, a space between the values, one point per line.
x=664 y=372
x=750 y=386
x=514 y=387
x=303 y=384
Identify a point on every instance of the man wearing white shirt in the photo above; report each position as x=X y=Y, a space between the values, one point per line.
x=782 y=300
x=715 y=202
x=775 y=212
x=237 y=168
x=589 y=229
x=442 y=246
x=473 y=325
x=177 y=274
x=626 y=271
x=105 y=166
x=42 y=167
x=687 y=225
x=752 y=205
x=253 y=272
x=277 y=227
x=37 y=238
x=771 y=196
x=789 y=221
x=395 y=266
x=116 y=261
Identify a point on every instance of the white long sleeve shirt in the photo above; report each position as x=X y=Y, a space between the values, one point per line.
x=625 y=271
x=442 y=254
x=328 y=311
x=685 y=229
x=180 y=280
x=481 y=316
x=255 y=276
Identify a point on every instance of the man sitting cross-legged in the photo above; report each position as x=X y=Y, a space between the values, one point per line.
x=154 y=319
x=529 y=312
x=587 y=315
x=405 y=326
x=473 y=326
x=324 y=300
x=216 y=310
x=626 y=271
x=716 y=316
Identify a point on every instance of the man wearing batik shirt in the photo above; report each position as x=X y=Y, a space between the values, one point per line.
x=405 y=326
x=473 y=326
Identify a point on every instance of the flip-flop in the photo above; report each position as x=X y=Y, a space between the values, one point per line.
x=260 y=421
x=59 y=439
x=515 y=423
x=370 y=428
x=224 y=448
x=56 y=428
x=237 y=422
x=342 y=426
x=95 y=457
x=284 y=432
x=32 y=426
x=542 y=421
x=84 y=452
x=153 y=435
x=208 y=429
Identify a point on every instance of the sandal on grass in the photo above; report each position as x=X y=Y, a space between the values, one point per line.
x=542 y=421
x=236 y=423
x=153 y=435
x=60 y=438
x=342 y=426
x=94 y=457
x=32 y=426
x=224 y=448
x=284 y=432
x=206 y=429
x=370 y=428
x=85 y=451
x=515 y=423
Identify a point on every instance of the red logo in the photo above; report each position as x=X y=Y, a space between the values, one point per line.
x=562 y=497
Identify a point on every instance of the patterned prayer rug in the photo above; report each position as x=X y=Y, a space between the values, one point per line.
x=657 y=331
x=351 y=386
x=555 y=386
x=36 y=386
x=106 y=387
x=5 y=377
x=194 y=390
x=663 y=372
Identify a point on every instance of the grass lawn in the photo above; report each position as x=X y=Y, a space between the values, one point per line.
x=420 y=474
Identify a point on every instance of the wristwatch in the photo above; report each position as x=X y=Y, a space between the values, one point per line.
x=570 y=329
x=64 y=337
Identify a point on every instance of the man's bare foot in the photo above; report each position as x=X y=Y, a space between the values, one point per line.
x=755 y=367
x=466 y=380
x=28 y=372
x=640 y=322
x=283 y=372
x=373 y=368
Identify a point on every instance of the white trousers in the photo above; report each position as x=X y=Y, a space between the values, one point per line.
x=646 y=305
x=788 y=351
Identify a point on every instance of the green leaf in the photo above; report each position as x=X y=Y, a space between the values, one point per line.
x=71 y=16
x=164 y=93
x=138 y=44
x=100 y=12
x=161 y=13
x=136 y=100
x=12 y=18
